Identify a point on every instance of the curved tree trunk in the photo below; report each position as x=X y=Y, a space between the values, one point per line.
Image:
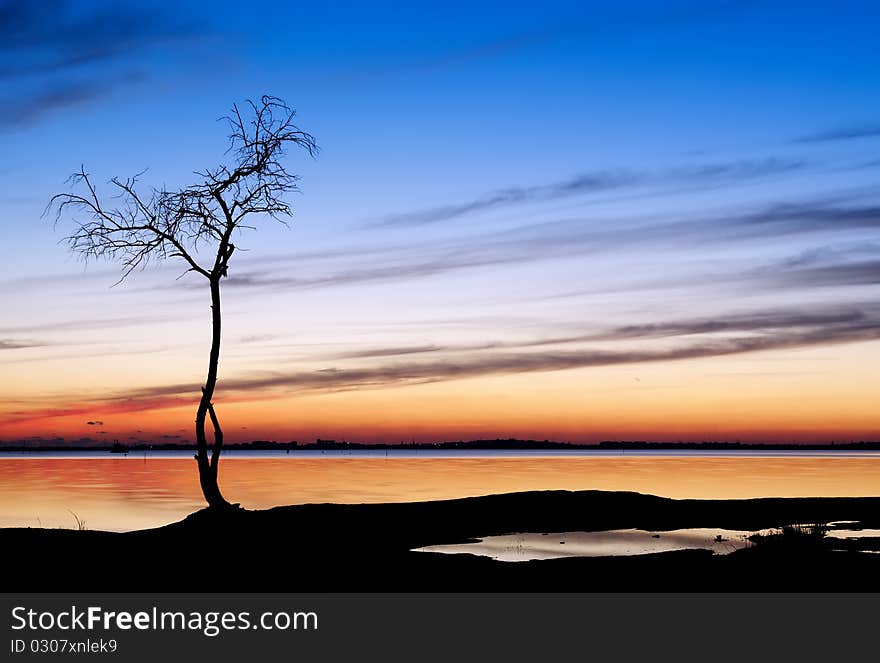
x=208 y=468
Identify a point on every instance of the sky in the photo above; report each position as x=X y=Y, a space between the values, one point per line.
x=573 y=221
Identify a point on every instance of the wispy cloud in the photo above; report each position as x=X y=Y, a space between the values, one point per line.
x=105 y=407
x=87 y=324
x=827 y=266
x=837 y=323
x=256 y=338
x=393 y=351
x=853 y=132
x=698 y=338
x=395 y=269
x=771 y=331
x=866 y=272
x=581 y=184
x=13 y=344
x=811 y=216
x=57 y=35
x=831 y=254
x=851 y=318
x=58 y=54
x=616 y=20
x=31 y=108
x=588 y=183
x=554 y=239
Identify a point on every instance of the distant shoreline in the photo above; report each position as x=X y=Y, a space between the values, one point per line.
x=473 y=445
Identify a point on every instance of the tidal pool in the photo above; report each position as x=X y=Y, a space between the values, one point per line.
x=524 y=547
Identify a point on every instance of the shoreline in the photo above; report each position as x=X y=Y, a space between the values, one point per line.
x=485 y=445
x=368 y=547
x=588 y=452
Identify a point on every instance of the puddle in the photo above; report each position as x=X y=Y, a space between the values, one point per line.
x=850 y=530
x=525 y=547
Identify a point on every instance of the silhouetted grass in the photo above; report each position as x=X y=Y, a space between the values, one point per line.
x=80 y=523
x=793 y=536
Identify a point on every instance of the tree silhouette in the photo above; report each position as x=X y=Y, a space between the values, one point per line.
x=186 y=224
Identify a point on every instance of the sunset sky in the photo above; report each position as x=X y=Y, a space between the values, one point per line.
x=576 y=221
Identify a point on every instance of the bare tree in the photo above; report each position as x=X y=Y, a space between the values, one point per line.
x=186 y=224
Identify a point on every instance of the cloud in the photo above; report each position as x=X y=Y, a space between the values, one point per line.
x=57 y=54
x=763 y=321
x=565 y=238
x=591 y=183
x=816 y=216
x=621 y=19
x=86 y=324
x=257 y=338
x=395 y=374
x=555 y=239
x=55 y=36
x=866 y=272
x=582 y=184
x=12 y=344
x=832 y=254
x=846 y=320
x=854 y=132
x=373 y=353
x=31 y=108
x=112 y=405
x=395 y=269
x=780 y=332
x=696 y=339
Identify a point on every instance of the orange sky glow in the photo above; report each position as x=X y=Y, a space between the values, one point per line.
x=762 y=397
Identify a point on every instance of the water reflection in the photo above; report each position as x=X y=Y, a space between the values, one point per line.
x=122 y=493
x=527 y=547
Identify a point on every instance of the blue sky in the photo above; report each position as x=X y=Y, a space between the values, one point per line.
x=491 y=175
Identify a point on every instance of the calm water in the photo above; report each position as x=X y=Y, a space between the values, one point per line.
x=115 y=492
x=553 y=545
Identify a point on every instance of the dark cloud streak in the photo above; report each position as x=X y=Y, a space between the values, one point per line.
x=582 y=184
x=855 y=132
x=55 y=54
x=590 y=183
x=87 y=324
x=762 y=331
x=54 y=36
x=32 y=108
x=764 y=321
x=12 y=344
x=865 y=272
x=572 y=237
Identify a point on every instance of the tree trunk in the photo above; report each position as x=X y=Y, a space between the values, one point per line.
x=208 y=468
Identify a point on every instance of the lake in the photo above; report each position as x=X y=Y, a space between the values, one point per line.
x=115 y=492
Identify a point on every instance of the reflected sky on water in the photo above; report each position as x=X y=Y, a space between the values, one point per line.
x=115 y=492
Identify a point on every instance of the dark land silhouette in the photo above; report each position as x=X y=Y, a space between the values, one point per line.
x=508 y=444
x=368 y=547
